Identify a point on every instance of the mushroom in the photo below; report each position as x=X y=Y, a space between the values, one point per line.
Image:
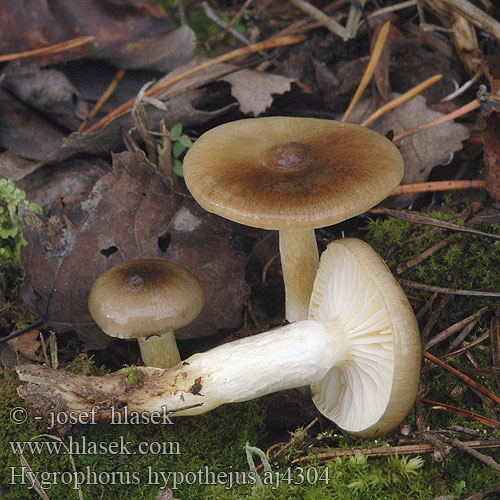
x=147 y=299
x=359 y=351
x=292 y=175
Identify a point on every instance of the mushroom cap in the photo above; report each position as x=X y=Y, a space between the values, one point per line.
x=143 y=297
x=291 y=173
x=375 y=388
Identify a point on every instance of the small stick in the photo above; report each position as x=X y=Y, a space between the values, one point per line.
x=476 y=454
x=421 y=219
x=374 y=58
x=466 y=347
x=209 y=12
x=460 y=339
x=406 y=266
x=436 y=313
x=18 y=333
x=352 y=24
x=410 y=94
x=229 y=25
x=104 y=97
x=427 y=305
x=469 y=381
x=431 y=187
x=475 y=15
x=392 y=8
x=51 y=49
x=407 y=449
x=464 y=87
x=454 y=328
x=463 y=413
x=321 y=17
x=451 y=291
x=471 y=106
x=234 y=54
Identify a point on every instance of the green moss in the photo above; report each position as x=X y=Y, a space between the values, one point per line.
x=136 y=459
x=11 y=236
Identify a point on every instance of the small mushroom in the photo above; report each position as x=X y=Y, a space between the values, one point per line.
x=292 y=175
x=147 y=299
x=359 y=351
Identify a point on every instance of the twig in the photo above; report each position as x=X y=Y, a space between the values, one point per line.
x=320 y=16
x=471 y=106
x=454 y=328
x=104 y=97
x=451 y=291
x=421 y=219
x=406 y=266
x=408 y=449
x=427 y=305
x=466 y=347
x=435 y=186
x=475 y=15
x=234 y=54
x=460 y=339
x=410 y=94
x=480 y=494
x=469 y=381
x=374 y=58
x=51 y=49
x=464 y=87
x=489 y=422
x=18 y=333
x=296 y=435
x=476 y=454
x=392 y=8
x=229 y=25
x=209 y=12
x=352 y=24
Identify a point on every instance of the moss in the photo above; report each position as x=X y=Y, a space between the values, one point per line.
x=130 y=458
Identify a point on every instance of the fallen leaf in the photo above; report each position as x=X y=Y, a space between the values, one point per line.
x=423 y=151
x=27 y=344
x=182 y=108
x=24 y=132
x=254 y=90
x=130 y=213
x=48 y=91
x=32 y=24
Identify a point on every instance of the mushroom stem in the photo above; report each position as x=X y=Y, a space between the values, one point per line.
x=159 y=350
x=295 y=355
x=300 y=262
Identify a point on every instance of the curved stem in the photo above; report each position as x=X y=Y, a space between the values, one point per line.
x=160 y=350
x=300 y=262
x=295 y=355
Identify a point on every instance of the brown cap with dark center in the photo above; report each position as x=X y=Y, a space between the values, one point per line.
x=291 y=173
x=145 y=297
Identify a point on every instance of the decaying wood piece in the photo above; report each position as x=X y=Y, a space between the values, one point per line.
x=98 y=399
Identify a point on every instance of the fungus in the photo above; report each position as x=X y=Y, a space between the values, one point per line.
x=147 y=299
x=359 y=350
x=292 y=175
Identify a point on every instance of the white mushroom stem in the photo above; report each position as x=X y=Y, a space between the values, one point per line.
x=299 y=262
x=295 y=355
x=159 y=350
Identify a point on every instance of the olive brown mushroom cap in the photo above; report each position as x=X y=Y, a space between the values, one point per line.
x=291 y=173
x=373 y=391
x=145 y=297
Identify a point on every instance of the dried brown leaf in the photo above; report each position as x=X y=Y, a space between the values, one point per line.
x=27 y=344
x=254 y=90
x=423 y=151
x=130 y=213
